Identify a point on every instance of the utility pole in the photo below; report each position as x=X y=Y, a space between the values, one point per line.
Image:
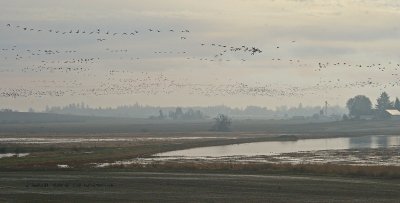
x=326 y=108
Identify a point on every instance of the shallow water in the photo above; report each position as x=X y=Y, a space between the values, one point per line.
x=279 y=147
x=13 y=154
x=366 y=150
x=63 y=166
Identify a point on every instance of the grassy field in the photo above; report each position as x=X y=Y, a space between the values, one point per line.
x=37 y=177
x=190 y=187
x=81 y=155
x=75 y=125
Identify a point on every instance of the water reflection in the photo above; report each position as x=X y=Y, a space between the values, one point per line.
x=269 y=148
x=360 y=142
x=382 y=141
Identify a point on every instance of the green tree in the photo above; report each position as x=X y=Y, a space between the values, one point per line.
x=359 y=105
x=397 y=104
x=383 y=103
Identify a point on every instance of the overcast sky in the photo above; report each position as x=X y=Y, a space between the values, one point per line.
x=301 y=41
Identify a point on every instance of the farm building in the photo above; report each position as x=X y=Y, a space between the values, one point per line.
x=394 y=114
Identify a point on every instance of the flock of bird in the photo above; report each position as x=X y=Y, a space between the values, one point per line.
x=252 y=50
x=378 y=66
x=97 y=31
x=124 y=81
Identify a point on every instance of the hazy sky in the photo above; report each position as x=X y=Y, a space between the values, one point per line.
x=312 y=51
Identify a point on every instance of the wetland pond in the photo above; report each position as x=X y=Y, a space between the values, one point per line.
x=362 y=150
x=279 y=147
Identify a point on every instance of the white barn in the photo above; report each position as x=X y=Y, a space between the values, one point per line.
x=394 y=114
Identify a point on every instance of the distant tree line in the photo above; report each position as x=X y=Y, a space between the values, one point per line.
x=180 y=114
x=7 y=110
x=145 y=111
x=361 y=106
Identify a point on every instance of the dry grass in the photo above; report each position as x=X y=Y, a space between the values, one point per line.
x=318 y=169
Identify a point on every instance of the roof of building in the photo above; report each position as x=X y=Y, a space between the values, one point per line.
x=393 y=112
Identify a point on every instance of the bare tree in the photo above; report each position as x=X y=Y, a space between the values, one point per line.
x=222 y=123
